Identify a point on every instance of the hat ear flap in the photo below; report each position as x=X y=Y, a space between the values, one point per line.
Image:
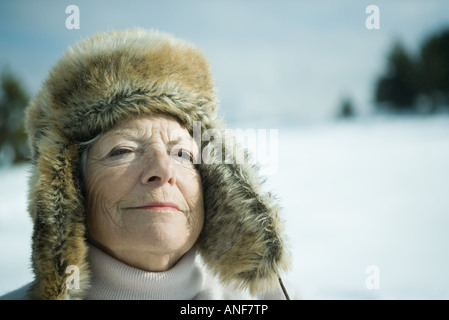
x=56 y=207
x=241 y=239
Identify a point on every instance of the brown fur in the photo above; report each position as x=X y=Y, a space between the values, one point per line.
x=114 y=76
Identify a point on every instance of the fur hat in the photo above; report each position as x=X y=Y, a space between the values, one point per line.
x=108 y=78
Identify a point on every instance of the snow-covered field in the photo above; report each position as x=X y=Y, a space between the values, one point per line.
x=366 y=206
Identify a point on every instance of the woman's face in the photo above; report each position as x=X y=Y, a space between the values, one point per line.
x=145 y=202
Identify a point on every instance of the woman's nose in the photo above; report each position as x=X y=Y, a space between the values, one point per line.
x=158 y=169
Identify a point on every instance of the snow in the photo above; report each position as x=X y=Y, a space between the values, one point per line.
x=357 y=196
x=15 y=229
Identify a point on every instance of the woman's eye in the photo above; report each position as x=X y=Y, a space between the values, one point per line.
x=119 y=152
x=185 y=155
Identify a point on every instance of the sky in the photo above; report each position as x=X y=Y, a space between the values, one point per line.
x=274 y=62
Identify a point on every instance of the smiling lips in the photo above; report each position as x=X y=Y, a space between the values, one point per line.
x=164 y=206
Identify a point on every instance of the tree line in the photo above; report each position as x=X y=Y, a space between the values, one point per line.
x=13 y=100
x=416 y=82
x=413 y=82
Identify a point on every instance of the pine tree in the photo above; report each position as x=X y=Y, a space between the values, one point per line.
x=434 y=70
x=397 y=89
x=13 y=100
x=416 y=84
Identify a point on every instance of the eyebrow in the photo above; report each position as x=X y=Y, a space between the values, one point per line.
x=132 y=135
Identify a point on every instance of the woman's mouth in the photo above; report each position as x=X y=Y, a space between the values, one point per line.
x=164 y=206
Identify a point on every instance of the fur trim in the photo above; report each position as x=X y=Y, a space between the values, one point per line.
x=56 y=206
x=242 y=239
x=115 y=76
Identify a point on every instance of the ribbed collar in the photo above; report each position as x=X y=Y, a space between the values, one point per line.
x=114 y=280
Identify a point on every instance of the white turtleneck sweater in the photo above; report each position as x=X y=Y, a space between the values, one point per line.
x=187 y=280
x=112 y=279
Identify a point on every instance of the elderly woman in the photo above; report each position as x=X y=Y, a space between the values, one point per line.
x=123 y=201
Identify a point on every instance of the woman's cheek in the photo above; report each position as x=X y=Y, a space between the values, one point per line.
x=194 y=200
x=101 y=196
